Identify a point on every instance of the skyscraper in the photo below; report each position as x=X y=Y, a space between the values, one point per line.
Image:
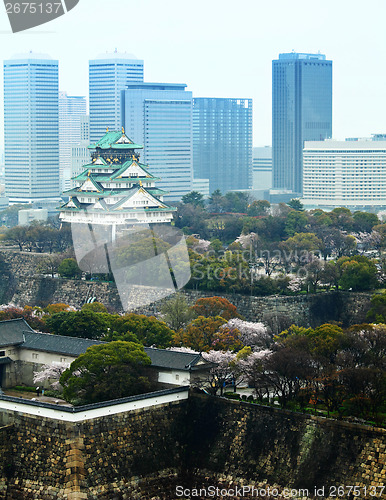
x=222 y=142
x=108 y=75
x=72 y=109
x=301 y=111
x=31 y=128
x=159 y=116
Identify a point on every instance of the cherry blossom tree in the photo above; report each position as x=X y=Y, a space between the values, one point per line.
x=222 y=372
x=251 y=334
x=50 y=373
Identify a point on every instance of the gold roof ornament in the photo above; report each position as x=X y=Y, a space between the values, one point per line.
x=140 y=183
x=107 y=129
x=123 y=130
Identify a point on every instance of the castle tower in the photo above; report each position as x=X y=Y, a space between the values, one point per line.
x=115 y=189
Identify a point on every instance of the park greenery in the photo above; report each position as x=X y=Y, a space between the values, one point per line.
x=107 y=371
x=238 y=245
x=328 y=369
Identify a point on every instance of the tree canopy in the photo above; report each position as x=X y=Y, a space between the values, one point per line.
x=107 y=371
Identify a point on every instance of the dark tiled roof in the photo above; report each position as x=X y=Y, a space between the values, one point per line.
x=5 y=360
x=11 y=331
x=72 y=346
x=162 y=358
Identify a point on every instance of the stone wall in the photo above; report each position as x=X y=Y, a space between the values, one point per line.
x=144 y=454
x=266 y=446
x=279 y=312
x=119 y=456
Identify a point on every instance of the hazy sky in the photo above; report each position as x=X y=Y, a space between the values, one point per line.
x=224 y=48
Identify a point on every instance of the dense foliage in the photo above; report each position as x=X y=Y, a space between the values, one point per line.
x=107 y=371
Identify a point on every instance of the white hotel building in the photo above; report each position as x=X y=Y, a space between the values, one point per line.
x=348 y=174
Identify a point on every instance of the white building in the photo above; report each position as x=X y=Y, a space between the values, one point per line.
x=348 y=174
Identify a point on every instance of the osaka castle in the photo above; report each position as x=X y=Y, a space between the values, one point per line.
x=115 y=189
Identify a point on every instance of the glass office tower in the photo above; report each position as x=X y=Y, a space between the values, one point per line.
x=31 y=128
x=222 y=142
x=159 y=116
x=108 y=75
x=72 y=113
x=301 y=111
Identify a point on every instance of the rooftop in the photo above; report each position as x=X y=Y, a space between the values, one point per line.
x=12 y=331
x=302 y=56
x=18 y=332
x=155 y=86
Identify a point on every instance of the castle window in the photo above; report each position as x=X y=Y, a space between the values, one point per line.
x=35 y=355
x=2 y=353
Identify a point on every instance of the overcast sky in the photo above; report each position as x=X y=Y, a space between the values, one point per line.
x=224 y=48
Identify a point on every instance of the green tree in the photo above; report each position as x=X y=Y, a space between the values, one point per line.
x=342 y=218
x=296 y=204
x=258 y=207
x=236 y=202
x=177 y=312
x=148 y=329
x=107 y=371
x=69 y=268
x=216 y=201
x=85 y=324
x=97 y=307
x=194 y=198
x=364 y=221
x=358 y=273
x=296 y=222
x=216 y=246
x=378 y=308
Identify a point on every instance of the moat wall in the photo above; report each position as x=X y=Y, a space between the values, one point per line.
x=22 y=285
x=144 y=454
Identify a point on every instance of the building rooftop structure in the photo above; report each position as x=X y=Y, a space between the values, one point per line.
x=17 y=337
x=115 y=188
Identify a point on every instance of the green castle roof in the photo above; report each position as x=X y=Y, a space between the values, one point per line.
x=110 y=139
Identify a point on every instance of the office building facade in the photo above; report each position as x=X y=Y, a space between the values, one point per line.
x=72 y=113
x=159 y=116
x=31 y=128
x=262 y=168
x=348 y=174
x=222 y=142
x=301 y=111
x=108 y=75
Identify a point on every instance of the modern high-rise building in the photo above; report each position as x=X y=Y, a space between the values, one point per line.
x=262 y=168
x=348 y=174
x=72 y=112
x=301 y=111
x=108 y=75
x=222 y=142
x=31 y=128
x=80 y=153
x=159 y=116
